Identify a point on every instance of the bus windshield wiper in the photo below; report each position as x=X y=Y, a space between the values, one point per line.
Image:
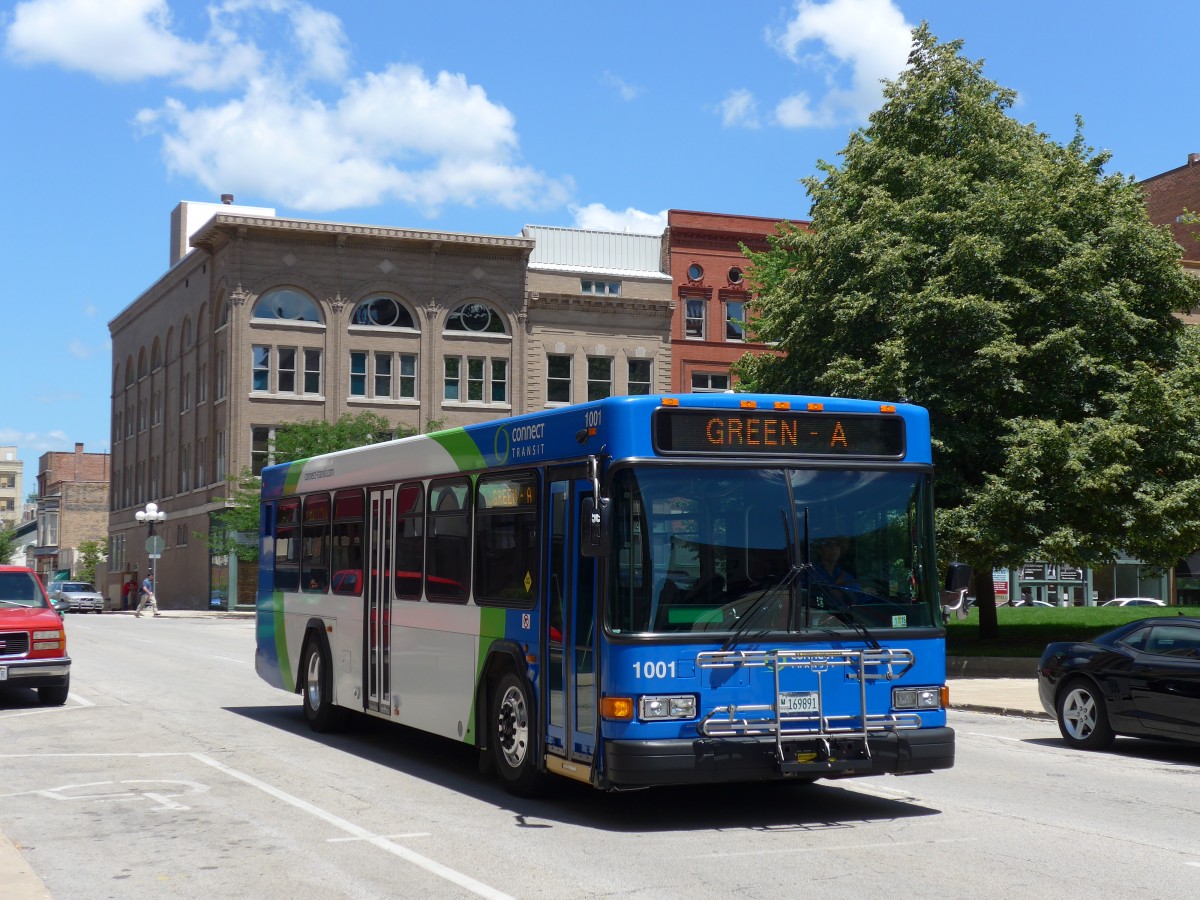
x=844 y=613
x=763 y=601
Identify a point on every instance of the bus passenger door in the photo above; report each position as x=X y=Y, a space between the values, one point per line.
x=377 y=598
x=570 y=690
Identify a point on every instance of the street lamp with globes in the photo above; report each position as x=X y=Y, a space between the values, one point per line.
x=152 y=516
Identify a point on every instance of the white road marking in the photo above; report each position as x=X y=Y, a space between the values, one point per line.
x=464 y=881
x=392 y=837
x=997 y=737
x=429 y=865
x=244 y=662
x=80 y=700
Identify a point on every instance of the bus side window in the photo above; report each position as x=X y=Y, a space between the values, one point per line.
x=347 y=550
x=448 y=548
x=287 y=545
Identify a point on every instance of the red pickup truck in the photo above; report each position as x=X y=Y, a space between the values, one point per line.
x=33 y=639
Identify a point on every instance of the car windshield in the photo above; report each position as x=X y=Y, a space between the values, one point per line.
x=20 y=589
x=77 y=587
x=750 y=550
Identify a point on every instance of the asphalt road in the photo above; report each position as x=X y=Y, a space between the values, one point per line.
x=174 y=772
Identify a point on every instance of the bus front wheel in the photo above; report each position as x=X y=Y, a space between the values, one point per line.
x=319 y=710
x=512 y=736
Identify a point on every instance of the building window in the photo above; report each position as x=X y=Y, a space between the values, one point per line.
x=202 y=385
x=129 y=421
x=222 y=379
x=499 y=380
x=262 y=448
x=260 y=368
x=117 y=426
x=709 y=382
x=407 y=376
x=181 y=535
x=639 y=377
x=476 y=317
x=287 y=304
x=477 y=388
x=735 y=320
x=185 y=395
x=382 y=312
x=475 y=378
x=693 y=321
x=185 y=469
x=312 y=371
x=154 y=477
x=220 y=472
x=558 y=379
x=603 y=288
x=695 y=272
x=201 y=461
x=383 y=375
x=285 y=370
x=358 y=374
x=142 y=404
x=599 y=383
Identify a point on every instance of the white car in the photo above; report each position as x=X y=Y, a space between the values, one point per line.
x=81 y=595
x=1133 y=601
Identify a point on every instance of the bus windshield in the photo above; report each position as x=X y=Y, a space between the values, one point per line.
x=786 y=549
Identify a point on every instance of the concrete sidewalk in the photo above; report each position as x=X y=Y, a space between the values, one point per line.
x=1004 y=696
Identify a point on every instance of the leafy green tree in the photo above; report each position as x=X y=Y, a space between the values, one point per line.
x=964 y=261
x=90 y=554
x=8 y=544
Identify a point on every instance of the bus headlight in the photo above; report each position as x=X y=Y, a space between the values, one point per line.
x=667 y=707
x=917 y=698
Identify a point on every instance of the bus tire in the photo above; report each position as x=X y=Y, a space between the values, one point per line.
x=317 y=688
x=512 y=736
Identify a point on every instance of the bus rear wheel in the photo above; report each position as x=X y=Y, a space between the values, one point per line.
x=322 y=715
x=512 y=736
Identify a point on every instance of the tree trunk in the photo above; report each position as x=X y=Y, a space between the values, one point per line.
x=985 y=602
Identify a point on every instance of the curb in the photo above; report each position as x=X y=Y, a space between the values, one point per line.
x=991 y=667
x=19 y=880
x=1002 y=711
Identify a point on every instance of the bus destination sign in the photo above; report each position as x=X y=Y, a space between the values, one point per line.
x=778 y=433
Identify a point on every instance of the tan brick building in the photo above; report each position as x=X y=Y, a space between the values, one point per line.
x=72 y=507
x=269 y=321
x=11 y=500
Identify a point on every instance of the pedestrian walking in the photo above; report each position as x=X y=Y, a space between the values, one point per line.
x=127 y=594
x=147 y=598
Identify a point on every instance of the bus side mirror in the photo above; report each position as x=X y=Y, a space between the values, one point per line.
x=958 y=577
x=595 y=527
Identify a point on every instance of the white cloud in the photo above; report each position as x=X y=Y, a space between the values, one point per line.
x=118 y=40
x=34 y=442
x=739 y=108
x=625 y=90
x=853 y=44
x=79 y=349
x=390 y=135
x=598 y=217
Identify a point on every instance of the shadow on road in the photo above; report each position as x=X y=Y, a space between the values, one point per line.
x=1149 y=749
x=762 y=806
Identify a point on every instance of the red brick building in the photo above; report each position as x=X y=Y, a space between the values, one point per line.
x=72 y=507
x=708 y=272
x=1167 y=197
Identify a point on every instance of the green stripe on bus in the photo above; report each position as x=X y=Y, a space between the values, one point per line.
x=491 y=629
x=291 y=481
x=461 y=448
x=281 y=647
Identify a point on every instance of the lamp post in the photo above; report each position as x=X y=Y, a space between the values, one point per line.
x=152 y=515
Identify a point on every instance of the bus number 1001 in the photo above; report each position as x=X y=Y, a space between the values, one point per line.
x=658 y=669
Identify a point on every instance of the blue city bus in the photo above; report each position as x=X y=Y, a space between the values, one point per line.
x=631 y=592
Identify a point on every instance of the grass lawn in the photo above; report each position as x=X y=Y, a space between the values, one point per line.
x=1025 y=631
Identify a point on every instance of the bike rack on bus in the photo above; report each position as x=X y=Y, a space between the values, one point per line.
x=766 y=720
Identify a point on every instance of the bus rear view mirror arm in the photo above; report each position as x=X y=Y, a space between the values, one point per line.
x=595 y=526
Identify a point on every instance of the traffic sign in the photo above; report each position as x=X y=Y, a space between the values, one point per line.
x=155 y=545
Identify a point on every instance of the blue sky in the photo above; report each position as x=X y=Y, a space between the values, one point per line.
x=476 y=117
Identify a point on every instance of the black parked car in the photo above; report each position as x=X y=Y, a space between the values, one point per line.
x=1142 y=680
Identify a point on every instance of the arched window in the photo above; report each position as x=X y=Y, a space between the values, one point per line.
x=287 y=304
x=169 y=346
x=185 y=336
x=156 y=356
x=141 y=370
x=128 y=371
x=223 y=316
x=383 y=312
x=475 y=317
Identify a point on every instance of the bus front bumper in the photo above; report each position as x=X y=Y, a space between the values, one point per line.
x=703 y=760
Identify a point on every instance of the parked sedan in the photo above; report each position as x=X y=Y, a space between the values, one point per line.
x=1141 y=680
x=1133 y=601
x=81 y=596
